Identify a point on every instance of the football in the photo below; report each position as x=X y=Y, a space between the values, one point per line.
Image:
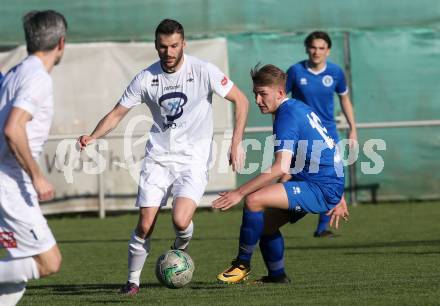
x=174 y=269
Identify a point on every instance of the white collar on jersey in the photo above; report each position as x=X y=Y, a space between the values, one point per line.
x=284 y=100
x=35 y=59
x=315 y=72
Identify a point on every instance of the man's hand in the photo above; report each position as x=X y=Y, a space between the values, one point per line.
x=337 y=212
x=84 y=140
x=352 y=138
x=227 y=200
x=237 y=156
x=44 y=189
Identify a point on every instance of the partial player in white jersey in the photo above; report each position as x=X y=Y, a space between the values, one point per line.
x=178 y=91
x=26 y=109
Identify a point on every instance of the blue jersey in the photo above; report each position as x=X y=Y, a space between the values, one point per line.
x=317 y=90
x=315 y=157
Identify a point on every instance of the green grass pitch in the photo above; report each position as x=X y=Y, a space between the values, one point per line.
x=387 y=254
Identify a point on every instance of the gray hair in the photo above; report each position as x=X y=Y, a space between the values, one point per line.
x=43 y=30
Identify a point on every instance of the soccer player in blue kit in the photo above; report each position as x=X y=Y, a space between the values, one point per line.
x=314 y=81
x=304 y=150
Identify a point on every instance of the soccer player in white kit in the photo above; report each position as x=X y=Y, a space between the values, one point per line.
x=26 y=110
x=178 y=91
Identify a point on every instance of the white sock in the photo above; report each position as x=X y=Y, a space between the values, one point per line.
x=138 y=250
x=183 y=237
x=11 y=293
x=19 y=270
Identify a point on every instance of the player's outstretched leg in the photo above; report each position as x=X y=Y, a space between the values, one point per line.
x=139 y=248
x=250 y=232
x=183 y=212
x=272 y=249
x=183 y=237
x=322 y=228
x=272 y=245
x=16 y=272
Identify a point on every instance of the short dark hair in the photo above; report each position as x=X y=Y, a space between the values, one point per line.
x=43 y=30
x=318 y=35
x=169 y=27
x=268 y=75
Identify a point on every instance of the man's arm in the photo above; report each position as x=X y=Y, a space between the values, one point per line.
x=17 y=140
x=347 y=109
x=280 y=167
x=241 y=110
x=108 y=123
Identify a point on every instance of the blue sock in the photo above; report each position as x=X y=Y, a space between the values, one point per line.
x=323 y=223
x=252 y=226
x=272 y=248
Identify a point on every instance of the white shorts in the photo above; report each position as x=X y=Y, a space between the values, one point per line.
x=157 y=181
x=23 y=229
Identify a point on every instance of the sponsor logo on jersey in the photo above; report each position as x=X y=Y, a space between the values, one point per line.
x=172 y=103
x=155 y=82
x=174 y=125
x=298 y=208
x=171 y=87
x=303 y=81
x=7 y=240
x=327 y=80
x=224 y=81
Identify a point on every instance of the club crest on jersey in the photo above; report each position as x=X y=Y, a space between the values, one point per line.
x=224 y=81
x=172 y=103
x=303 y=81
x=7 y=240
x=327 y=80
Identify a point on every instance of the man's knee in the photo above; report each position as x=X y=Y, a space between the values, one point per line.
x=181 y=223
x=253 y=202
x=145 y=225
x=54 y=266
x=49 y=263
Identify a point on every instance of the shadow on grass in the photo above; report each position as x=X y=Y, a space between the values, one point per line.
x=79 y=241
x=382 y=244
x=113 y=289
x=394 y=253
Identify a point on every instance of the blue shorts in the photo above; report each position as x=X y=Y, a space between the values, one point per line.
x=306 y=197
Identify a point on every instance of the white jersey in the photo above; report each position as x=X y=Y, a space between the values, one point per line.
x=27 y=86
x=181 y=106
x=23 y=229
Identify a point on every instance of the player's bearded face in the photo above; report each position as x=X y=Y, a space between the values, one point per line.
x=318 y=51
x=170 y=51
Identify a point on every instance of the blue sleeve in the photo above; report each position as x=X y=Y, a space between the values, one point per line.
x=286 y=132
x=341 y=85
x=290 y=79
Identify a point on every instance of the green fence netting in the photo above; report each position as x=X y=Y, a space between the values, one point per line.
x=103 y=20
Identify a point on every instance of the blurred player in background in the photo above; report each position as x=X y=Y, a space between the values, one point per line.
x=314 y=81
x=26 y=109
x=178 y=91
x=317 y=187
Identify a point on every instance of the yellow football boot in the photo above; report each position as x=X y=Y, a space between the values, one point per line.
x=236 y=273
